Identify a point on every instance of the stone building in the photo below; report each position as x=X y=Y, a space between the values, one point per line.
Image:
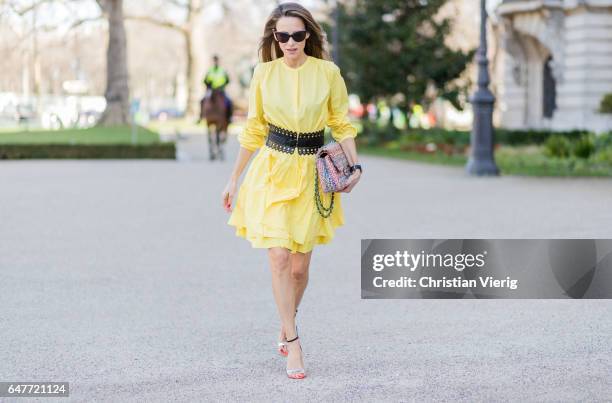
x=556 y=63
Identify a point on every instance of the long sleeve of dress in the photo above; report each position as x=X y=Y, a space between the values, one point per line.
x=254 y=134
x=337 y=118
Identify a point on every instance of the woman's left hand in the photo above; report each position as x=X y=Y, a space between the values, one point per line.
x=352 y=181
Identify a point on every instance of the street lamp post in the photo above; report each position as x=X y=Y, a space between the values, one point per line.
x=481 y=161
x=335 y=33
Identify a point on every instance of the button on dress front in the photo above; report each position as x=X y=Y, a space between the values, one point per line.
x=275 y=203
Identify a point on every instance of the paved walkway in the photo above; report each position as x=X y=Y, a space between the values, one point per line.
x=123 y=278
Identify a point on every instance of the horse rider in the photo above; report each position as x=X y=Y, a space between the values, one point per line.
x=216 y=78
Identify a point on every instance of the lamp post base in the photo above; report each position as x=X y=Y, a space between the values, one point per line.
x=481 y=167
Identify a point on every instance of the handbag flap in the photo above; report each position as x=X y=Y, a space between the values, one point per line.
x=334 y=153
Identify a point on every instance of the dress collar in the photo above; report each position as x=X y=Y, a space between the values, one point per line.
x=281 y=61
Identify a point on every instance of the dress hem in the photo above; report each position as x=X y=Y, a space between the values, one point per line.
x=292 y=245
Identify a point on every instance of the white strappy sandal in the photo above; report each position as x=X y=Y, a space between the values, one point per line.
x=296 y=373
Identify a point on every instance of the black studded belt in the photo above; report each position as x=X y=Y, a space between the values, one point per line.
x=285 y=140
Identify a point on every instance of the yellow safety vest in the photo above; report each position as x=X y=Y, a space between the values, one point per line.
x=216 y=77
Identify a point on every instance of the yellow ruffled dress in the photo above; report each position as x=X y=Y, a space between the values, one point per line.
x=275 y=203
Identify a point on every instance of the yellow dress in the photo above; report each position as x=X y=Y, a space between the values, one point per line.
x=275 y=204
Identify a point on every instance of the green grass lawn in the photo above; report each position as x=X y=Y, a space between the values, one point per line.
x=531 y=161
x=527 y=161
x=438 y=158
x=94 y=135
x=182 y=125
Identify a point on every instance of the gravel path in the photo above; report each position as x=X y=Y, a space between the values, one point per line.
x=123 y=278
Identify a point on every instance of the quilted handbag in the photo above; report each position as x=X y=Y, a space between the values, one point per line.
x=332 y=171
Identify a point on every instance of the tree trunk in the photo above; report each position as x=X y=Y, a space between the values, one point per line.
x=117 y=91
x=192 y=45
x=193 y=80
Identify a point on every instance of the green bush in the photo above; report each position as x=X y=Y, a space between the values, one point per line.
x=584 y=146
x=557 y=146
x=606 y=104
x=603 y=156
x=380 y=133
x=603 y=140
x=89 y=151
x=526 y=137
x=375 y=134
x=560 y=146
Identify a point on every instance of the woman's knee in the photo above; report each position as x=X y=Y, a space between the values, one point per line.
x=279 y=259
x=299 y=272
x=299 y=268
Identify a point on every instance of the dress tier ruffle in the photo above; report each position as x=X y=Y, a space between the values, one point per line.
x=275 y=204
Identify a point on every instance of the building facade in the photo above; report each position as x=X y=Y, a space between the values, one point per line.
x=556 y=63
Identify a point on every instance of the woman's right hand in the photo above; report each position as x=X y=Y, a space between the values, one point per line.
x=228 y=195
x=352 y=181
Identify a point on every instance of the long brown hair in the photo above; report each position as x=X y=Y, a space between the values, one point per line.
x=316 y=44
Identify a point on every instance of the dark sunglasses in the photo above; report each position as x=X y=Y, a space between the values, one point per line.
x=283 y=37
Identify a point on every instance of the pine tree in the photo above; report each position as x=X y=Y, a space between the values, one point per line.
x=393 y=47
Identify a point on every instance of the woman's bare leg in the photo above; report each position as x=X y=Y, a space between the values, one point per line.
x=284 y=295
x=300 y=262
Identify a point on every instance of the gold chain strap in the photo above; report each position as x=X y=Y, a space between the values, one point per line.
x=323 y=211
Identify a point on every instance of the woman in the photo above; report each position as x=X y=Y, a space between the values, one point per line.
x=291 y=97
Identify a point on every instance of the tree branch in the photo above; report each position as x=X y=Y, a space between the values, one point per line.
x=103 y=5
x=178 y=3
x=82 y=21
x=31 y=7
x=159 y=23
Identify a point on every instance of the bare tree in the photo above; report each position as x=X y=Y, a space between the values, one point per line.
x=117 y=92
x=29 y=39
x=192 y=11
x=117 y=88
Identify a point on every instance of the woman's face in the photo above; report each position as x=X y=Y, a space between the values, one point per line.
x=292 y=49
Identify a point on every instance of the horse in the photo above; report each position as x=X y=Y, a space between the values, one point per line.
x=213 y=109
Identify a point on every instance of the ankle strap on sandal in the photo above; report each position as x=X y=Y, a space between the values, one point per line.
x=294 y=339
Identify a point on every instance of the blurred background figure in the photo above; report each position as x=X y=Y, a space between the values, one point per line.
x=216 y=78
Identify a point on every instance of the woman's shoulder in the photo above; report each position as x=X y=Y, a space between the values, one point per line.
x=328 y=65
x=330 y=69
x=261 y=67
